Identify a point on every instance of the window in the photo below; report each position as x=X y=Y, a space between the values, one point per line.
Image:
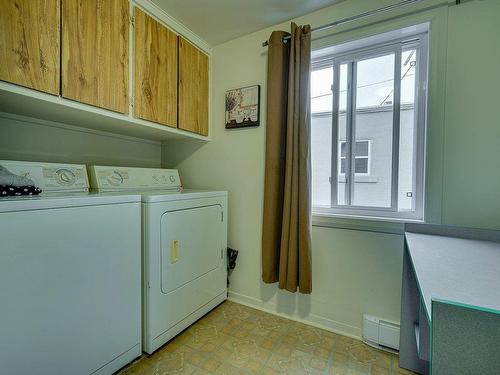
x=368 y=127
x=362 y=158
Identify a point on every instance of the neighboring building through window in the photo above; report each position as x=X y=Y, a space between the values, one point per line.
x=368 y=126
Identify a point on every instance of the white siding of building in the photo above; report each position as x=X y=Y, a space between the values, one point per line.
x=374 y=189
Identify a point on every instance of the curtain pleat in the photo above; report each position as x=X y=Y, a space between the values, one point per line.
x=286 y=233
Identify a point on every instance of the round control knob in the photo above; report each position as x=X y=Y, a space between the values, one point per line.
x=65 y=177
x=115 y=178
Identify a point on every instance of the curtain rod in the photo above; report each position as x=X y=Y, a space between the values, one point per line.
x=359 y=16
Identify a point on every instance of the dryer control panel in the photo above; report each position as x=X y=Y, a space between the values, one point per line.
x=106 y=178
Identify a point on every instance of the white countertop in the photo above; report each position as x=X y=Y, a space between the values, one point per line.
x=456 y=269
x=66 y=199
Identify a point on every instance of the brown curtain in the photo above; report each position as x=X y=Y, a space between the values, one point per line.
x=286 y=231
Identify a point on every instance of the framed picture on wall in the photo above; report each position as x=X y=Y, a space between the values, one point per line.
x=243 y=107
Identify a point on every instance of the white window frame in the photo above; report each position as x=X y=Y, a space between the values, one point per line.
x=396 y=46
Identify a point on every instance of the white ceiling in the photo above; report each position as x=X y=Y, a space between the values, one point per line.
x=217 y=21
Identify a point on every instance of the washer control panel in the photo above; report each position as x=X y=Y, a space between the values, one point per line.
x=106 y=178
x=51 y=177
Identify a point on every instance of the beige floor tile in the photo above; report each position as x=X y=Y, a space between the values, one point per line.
x=288 y=365
x=396 y=370
x=269 y=371
x=200 y=336
x=358 y=358
x=365 y=354
x=211 y=364
x=343 y=343
x=319 y=364
x=140 y=367
x=171 y=363
x=227 y=369
x=380 y=370
x=237 y=340
x=196 y=358
x=243 y=354
x=212 y=347
x=283 y=349
x=202 y=372
x=233 y=310
x=270 y=343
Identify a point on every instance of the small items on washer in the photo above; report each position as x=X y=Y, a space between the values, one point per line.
x=10 y=191
x=14 y=185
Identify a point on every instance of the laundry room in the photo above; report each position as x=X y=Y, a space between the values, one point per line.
x=249 y=187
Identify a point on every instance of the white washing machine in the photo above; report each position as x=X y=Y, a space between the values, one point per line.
x=184 y=248
x=70 y=275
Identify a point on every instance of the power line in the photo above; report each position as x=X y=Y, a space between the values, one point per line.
x=363 y=86
x=404 y=75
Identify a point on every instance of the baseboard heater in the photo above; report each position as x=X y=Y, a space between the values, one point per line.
x=380 y=333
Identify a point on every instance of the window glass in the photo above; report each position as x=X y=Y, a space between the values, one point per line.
x=342 y=129
x=321 y=90
x=321 y=136
x=361 y=148
x=373 y=119
x=361 y=165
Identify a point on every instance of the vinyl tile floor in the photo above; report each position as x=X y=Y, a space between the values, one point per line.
x=234 y=339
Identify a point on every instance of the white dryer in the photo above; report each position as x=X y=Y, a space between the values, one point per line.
x=184 y=248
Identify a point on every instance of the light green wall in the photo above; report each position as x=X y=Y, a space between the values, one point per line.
x=354 y=272
x=472 y=133
x=23 y=138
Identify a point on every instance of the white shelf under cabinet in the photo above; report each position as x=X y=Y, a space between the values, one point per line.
x=31 y=103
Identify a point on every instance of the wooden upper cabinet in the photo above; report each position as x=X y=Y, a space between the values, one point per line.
x=29 y=43
x=155 y=63
x=95 y=38
x=193 y=88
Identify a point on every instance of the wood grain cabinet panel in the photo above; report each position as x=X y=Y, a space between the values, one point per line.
x=155 y=87
x=193 y=88
x=29 y=43
x=95 y=38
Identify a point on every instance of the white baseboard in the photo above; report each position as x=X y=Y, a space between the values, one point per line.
x=312 y=319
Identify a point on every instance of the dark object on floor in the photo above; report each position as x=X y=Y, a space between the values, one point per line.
x=231 y=261
x=231 y=258
x=15 y=191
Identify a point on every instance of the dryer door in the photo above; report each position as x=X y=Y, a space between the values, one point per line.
x=191 y=245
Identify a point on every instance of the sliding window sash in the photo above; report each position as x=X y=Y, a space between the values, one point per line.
x=350 y=131
x=351 y=61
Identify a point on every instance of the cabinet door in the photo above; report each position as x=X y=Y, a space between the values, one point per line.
x=155 y=88
x=193 y=88
x=29 y=43
x=95 y=52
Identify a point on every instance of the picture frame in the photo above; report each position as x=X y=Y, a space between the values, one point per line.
x=242 y=107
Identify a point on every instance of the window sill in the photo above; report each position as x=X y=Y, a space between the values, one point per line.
x=362 y=223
